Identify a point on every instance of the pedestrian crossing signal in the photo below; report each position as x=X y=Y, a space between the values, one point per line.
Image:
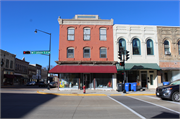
x=26 y=52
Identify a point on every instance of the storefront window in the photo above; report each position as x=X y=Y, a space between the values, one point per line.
x=103 y=80
x=69 y=80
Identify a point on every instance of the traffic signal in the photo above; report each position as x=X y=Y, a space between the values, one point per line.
x=120 y=55
x=127 y=55
x=26 y=52
x=122 y=63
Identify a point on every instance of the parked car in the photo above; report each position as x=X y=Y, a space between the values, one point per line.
x=53 y=84
x=170 y=91
x=31 y=83
x=42 y=84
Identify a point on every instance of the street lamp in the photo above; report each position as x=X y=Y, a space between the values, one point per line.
x=49 y=46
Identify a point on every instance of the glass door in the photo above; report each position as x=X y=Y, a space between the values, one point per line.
x=144 y=80
x=87 y=81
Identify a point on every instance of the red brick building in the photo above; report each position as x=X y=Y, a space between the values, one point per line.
x=85 y=53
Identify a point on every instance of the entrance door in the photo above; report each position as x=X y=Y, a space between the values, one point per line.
x=87 y=80
x=144 y=80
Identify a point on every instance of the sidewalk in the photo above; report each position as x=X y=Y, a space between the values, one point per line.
x=89 y=92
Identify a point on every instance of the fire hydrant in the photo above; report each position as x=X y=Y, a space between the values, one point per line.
x=84 y=89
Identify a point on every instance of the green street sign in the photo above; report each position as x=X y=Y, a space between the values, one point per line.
x=40 y=52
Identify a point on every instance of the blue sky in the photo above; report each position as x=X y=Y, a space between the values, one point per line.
x=19 y=19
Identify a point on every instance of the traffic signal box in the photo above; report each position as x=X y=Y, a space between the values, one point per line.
x=122 y=63
x=127 y=55
x=26 y=52
x=120 y=55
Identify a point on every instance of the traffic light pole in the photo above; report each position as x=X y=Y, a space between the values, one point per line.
x=124 y=66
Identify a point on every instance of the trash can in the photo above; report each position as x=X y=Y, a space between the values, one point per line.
x=127 y=87
x=134 y=86
x=165 y=83
x=130 y=86
x=120 y=87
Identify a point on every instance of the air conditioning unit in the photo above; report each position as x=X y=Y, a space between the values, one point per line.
x=167 y=53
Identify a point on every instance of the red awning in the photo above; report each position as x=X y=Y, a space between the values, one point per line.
x=83 y=69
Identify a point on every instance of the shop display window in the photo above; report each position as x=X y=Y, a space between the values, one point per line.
x=69 y=80
x=103 y=80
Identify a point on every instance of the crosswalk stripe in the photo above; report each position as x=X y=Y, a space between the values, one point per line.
x=155 y=104
x=128 y=108
x=160 y=99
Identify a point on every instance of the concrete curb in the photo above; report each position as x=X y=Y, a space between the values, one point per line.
x=61 y=94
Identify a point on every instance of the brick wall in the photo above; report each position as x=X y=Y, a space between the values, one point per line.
x=79 y=43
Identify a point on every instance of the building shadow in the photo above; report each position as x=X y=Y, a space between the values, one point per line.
x=16 y=105
x=167 y=115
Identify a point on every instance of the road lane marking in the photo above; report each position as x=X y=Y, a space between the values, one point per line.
x=160 y=99
x=156 y=105
x=128 y=108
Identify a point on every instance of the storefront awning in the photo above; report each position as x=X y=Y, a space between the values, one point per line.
x=83 y=69
x=138 y=66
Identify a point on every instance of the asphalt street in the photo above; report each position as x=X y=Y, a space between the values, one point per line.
x=35 y=106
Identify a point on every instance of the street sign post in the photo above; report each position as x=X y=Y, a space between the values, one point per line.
x=40 y=52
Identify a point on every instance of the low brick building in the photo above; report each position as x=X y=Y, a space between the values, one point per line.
x=169 y=53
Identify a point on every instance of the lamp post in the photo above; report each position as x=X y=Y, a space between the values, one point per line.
x=49 y=47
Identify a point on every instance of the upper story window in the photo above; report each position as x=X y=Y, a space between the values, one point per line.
x=122 y=44
x=179 y=47
x=86 y=52
x=7 y=63
x=70 y=52
x=70 y=33
x=87 y=33
x=136 y=47
x=103 y=52
x=150 y=50
x=11 y=64
x=166 y=48
x=102 y=33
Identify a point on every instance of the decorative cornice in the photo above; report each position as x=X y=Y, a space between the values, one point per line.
x=87 y=62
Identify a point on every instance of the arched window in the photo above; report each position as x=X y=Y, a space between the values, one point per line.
x=102 y=33
x=103 y=52
x=87 y=33
x=70 y=33
x=122 y=44
x=150 y=50
x=166 y=48
x=70 y=52
x=136 y=47
x=179 y=47
x=86 y=52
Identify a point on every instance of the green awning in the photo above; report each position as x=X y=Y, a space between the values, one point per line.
x=138 y=66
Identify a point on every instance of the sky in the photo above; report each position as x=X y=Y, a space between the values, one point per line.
x=19 y=19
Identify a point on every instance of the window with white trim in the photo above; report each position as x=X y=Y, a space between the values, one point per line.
x=70 y=33
x=122 y=44
x=87 y=33
x=150 y=50
x=102 y=33
x=86 y=52
x=70 y=52
x=166 y=48
x=103 y=52
x=136 y=46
